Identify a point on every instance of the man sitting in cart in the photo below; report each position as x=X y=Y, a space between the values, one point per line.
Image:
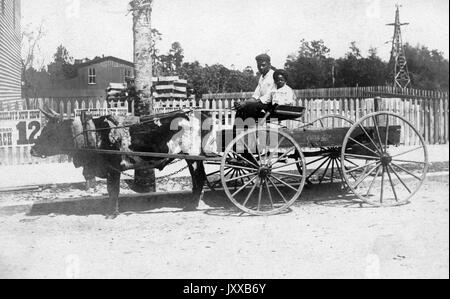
x=262 y=97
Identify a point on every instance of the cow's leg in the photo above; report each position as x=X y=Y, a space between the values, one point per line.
x=89 y=176
x=198 y=176
x=113 y=182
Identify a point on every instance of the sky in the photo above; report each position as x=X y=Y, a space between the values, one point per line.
x=233 y=32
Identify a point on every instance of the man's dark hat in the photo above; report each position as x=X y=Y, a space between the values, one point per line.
x=263 y=57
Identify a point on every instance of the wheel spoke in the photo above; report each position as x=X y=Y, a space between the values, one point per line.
x=284 y=183
x=240 y=156
x=288 y=174
x=270 y=194
x=287 y=164
x=339 y=169
x=407 y=152
x=245 y=186
x=361 y=167
x=213 y=173
x=398 y=177
x=332 y=172
x=240 y=167
x=325 y=172
x=282 y=156
x=382 y=186
x=392 y=184
x=278 y=190
x=362 y=157
x=260 y=196
x=408 y=172
x=370 y=138
x=321 y=158
x=240 y=177
x=378 y=131
x=229 y=171
x=250 y=153
x=360 y=180
x=387 y=131
x=317 y=169
x=409 y=161
x=354 y=140
x=373 y=181
x=249 y=195
x=351 y=162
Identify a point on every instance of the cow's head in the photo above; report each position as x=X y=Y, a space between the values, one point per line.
x=55 y=137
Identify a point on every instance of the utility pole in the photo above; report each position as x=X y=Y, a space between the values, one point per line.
x=398 y=55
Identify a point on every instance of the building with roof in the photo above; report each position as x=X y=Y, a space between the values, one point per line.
x=10 y=55
x=92 y=78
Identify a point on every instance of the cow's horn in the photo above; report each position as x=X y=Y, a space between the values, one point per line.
x=55 y=114
x=46 y=113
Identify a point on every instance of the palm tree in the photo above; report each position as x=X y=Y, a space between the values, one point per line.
x=142 y=36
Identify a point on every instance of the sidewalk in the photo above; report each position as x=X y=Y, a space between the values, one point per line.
x=47 y=174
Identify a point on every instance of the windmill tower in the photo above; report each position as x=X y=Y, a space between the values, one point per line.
x=398 y=56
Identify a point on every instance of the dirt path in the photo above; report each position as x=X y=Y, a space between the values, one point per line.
x=324 y=238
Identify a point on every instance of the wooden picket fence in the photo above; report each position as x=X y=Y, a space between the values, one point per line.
x=427 y=111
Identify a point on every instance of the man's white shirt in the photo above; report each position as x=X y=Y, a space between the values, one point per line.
x=265 y=86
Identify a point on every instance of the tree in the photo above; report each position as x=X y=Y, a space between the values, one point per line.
x=356 y=70
x=171 y=63
x=428 y=68
x=311 y=67
x=142 y=37
x=156 y=64
x=31 y=67
x=62 y=67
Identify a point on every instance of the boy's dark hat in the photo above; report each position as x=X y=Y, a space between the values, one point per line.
x=280 y=72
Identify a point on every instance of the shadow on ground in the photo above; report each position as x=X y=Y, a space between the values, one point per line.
x=330 y=195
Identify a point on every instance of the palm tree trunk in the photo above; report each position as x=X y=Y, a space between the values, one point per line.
x=142 y=35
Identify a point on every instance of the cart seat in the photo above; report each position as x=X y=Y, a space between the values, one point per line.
x=283 y=112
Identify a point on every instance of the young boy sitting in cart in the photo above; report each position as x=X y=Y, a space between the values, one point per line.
x=283 y=95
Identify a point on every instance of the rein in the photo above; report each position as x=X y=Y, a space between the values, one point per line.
x=152 y=119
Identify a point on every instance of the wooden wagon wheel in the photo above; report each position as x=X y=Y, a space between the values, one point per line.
x=382 y=173
x=213 y=177
x=326 y=162
x=267 y=161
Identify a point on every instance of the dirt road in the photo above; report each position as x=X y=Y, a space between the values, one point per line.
x=324 y=236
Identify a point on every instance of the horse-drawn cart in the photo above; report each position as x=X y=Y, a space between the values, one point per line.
x=262 y=167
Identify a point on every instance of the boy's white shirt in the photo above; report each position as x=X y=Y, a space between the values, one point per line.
x=283 y=96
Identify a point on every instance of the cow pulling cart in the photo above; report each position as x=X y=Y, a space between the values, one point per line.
x=262 y=167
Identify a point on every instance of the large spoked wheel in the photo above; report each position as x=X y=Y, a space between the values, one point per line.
x=381 y=172
x=213 y=176
x=326 y=162
x=268 y=160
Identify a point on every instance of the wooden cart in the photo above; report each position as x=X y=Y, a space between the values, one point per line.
x=264 y=169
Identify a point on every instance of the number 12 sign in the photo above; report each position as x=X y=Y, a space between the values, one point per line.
x=19 y=131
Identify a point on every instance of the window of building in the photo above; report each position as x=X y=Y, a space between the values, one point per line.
x=92 y=78
x=127 y=74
